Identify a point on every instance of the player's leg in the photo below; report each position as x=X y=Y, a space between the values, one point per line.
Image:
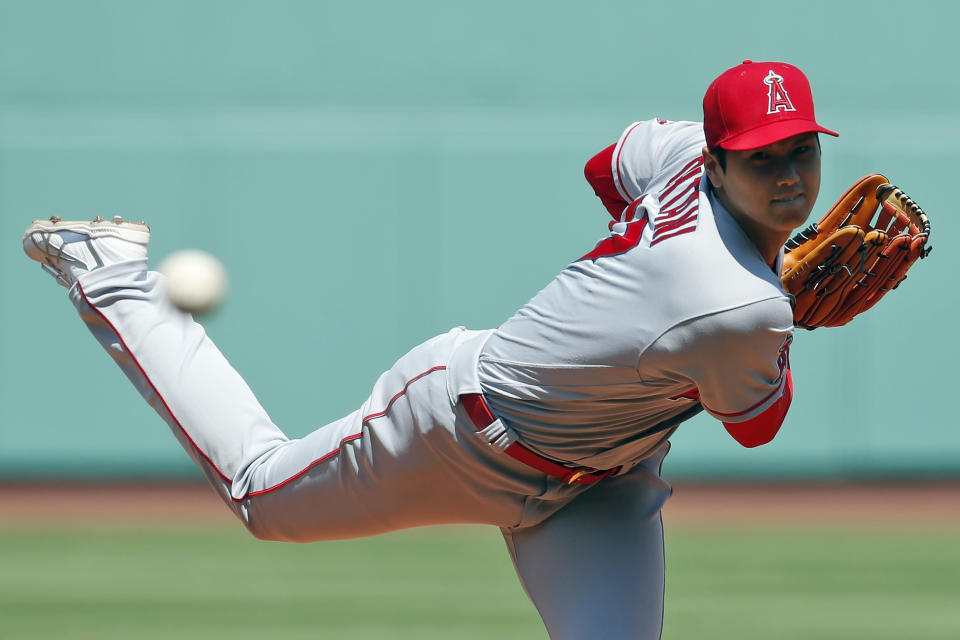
x=595 y=569
x=406 y=458
x=409 y=457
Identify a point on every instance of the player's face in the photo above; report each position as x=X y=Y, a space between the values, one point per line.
x=771 y=188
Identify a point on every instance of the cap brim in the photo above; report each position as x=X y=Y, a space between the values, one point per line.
x=773 y=132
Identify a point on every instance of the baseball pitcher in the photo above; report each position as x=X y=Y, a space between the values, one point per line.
x=552 y=427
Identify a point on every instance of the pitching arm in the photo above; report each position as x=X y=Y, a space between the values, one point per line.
x=599 y=173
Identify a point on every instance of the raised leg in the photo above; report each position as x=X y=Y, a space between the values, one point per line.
x=401 y=460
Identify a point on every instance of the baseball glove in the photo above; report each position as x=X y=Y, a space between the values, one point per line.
x=841 y=266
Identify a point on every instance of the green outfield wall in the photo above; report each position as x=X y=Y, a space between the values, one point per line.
x=373 y=173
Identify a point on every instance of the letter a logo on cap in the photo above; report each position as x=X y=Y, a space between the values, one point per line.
x=777 y=98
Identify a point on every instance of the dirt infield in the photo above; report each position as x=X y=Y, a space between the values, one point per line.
x=818 y=505
x=789 y=505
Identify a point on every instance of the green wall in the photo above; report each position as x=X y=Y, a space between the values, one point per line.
x=373 y=173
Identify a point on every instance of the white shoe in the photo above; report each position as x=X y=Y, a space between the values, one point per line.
x=67 y=249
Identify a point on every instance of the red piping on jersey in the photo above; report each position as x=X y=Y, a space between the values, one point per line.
x=763 y=427
x=619 y=183
x=737 y=414
x=785 y=386
x=150 y=382
x=193 y=443
x=347 y=439
x=327 y=456
x=380 y=414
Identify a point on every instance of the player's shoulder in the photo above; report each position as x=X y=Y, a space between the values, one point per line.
x=754 y=315
x=706 y=279
x=757 y=324
x=650 y=150
x=709 y=265
x=660 y=134
x=664 y=127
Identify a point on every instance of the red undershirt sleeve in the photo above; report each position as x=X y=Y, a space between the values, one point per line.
x=762 y=428
x=599 y=173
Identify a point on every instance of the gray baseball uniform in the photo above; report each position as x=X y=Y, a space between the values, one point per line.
x=595 y=372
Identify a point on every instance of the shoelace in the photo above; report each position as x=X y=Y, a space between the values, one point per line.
x=57 y=254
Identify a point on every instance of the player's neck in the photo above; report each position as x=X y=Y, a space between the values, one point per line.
x=767 y=240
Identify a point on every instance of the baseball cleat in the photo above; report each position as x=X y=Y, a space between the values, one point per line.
x=68 y=249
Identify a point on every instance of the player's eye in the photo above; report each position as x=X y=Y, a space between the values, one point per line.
x=759 y=156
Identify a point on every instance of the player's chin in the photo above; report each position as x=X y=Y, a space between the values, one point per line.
x=792 y=212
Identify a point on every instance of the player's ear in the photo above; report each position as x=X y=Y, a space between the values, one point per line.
x=713 y=168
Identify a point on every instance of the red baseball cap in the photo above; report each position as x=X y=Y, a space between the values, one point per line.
x=758 y=103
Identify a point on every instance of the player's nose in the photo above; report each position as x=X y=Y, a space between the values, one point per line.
x=788 y=175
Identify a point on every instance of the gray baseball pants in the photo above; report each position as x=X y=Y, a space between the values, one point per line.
x=590 y=557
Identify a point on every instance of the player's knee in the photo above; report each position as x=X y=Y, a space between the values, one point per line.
x=262 y=529
x=260 y=533
x=256 y=526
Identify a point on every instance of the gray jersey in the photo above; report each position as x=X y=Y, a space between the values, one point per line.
x=598 y=366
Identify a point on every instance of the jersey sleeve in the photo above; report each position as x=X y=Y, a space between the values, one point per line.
x=599 y=174
x=648 y=148
x=762 y=428
x=737 y=359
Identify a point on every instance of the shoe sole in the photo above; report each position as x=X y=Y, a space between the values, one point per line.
x=136 y=232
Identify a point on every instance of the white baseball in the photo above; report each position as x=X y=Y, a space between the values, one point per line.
x=196 y=282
